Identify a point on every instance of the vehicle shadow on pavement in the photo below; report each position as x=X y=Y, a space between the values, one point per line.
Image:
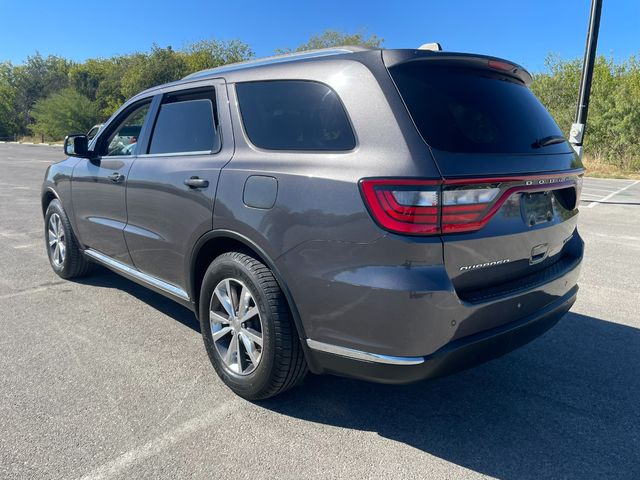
x=566 y=405
x=105 y=278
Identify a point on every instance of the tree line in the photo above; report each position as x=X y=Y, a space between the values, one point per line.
x=52 y=96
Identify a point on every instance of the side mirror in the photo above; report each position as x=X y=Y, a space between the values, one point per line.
x=77 y=146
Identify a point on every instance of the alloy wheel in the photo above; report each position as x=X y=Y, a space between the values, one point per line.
x=236 y=326
x=55 y=238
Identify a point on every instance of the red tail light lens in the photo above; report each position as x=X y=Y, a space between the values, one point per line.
x=499 y=65
x=429 y=207
x=463 y=207
x=404 y=206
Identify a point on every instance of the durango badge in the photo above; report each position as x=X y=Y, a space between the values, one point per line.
x=482 y=265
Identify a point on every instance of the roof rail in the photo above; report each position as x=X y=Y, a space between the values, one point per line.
x=287 y=57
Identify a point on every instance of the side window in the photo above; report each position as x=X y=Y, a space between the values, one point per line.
x=186 y=122
x=294 y=115
x=123 y=141
x=92 y=133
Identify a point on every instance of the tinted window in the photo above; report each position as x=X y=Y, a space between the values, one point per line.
x=475 y=111
x=294 y=115
x=124 y=140
x=185 y=123
x=92 y=133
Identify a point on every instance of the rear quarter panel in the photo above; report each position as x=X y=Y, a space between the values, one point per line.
x=319 y=219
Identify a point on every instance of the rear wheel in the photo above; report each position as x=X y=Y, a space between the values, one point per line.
x=63 y=250
x=247 y=328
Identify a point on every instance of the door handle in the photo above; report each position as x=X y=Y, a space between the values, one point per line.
x=538 y=253
x=196 y=182
x=116 y=177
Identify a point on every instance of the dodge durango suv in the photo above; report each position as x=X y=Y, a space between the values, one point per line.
x=390 y=215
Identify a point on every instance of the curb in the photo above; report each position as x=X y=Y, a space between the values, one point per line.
x=34 y=144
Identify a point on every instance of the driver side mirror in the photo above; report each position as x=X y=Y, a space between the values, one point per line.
x=77 y=146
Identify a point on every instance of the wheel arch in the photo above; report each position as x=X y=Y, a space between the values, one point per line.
x=47 y=196
x=217 y=242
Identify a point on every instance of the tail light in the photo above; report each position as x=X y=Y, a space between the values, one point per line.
x=428 y=207
x=463 y=207
x=404 y=206
x=500 y=65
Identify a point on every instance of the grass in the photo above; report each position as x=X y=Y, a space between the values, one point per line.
x=598 y=168
x=38 y=139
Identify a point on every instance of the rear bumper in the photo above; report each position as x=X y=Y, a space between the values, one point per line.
x=455 y=356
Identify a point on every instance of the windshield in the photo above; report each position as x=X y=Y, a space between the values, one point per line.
x=475 y=111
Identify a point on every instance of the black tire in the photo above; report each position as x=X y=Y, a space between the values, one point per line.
x=74 y=264
x=282 y=364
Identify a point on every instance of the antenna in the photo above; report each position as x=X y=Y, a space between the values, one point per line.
x=434 y=47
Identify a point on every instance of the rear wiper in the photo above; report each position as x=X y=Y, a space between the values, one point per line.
x=550 y=140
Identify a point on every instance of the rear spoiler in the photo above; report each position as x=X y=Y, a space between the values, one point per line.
x=392 y=58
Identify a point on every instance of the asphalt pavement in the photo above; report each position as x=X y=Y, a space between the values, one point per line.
x=102 y=378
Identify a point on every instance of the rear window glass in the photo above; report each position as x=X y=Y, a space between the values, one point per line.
x=294 y=115
x=475 y=111
x=185 y=123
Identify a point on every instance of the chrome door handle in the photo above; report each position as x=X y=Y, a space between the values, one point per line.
x=116 y=177
x=196 y=182
x=538 y=253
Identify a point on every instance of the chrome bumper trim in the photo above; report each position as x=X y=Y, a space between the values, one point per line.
x=365 y=356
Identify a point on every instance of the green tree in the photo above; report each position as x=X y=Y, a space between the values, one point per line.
x=213 y=53
x=62 y=113
x=333 y=38
x=86 y=77
x=38 y=78
x=7 y=100
x=613 y=127
x=161 y=65
x=109 y=94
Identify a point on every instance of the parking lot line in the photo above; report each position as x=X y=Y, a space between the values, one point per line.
x=154 y=447
x=608 y=190
x=611 y=195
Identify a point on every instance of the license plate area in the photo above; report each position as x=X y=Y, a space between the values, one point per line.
x=536 y=208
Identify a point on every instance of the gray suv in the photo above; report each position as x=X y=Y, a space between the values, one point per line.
x=389 y=215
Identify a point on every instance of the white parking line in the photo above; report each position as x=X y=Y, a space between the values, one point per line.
x=29 y=245
x=611 y=195
x=118 y=465
x=608 y=190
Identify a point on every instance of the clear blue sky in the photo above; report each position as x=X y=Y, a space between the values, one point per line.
x=522 y=31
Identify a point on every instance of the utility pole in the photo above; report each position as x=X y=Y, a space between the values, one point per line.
x=576 y=135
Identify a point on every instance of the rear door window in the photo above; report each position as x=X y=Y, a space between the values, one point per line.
x=186 y=123
x=475 y=110
x=294 y=115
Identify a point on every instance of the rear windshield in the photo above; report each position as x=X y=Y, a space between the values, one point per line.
x=475 y=111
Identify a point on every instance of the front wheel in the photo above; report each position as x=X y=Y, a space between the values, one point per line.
x=63 y=250
x=247 y=328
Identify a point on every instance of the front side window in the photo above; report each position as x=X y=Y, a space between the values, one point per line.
x=124 y=140
x=294 y=115
x=186 y=123
x=93 y=132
